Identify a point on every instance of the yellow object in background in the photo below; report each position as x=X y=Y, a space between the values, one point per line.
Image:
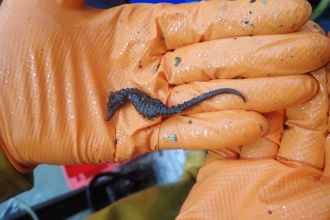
x=12 y=182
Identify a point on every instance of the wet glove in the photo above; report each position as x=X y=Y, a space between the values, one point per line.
x=283 y=175
x=61 y=59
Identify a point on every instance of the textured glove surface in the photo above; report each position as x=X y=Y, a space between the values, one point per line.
x=283 y=175
x=60 y=60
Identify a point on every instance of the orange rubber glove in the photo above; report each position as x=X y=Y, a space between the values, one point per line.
x=61 y=59
x=283 y=175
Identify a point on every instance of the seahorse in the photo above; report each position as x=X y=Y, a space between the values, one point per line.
x=150 y=107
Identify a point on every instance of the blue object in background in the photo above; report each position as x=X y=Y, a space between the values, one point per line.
x=104 y=4
x=165 y=1
x=324 y=20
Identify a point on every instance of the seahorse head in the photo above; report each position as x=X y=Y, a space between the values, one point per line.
x=116 y=100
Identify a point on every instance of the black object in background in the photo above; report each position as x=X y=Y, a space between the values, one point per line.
x=131 y=177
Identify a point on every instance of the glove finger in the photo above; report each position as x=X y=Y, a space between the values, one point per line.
x=214 y=130
x=311 y=26
x=135 y=135
x=304 y=139
x=326 y=173
x=223 y=154
x=256 y=56
x=278 y=93
x=197 y=21
x=267 y=146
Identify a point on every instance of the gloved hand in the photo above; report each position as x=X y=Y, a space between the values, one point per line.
x=61 y=59
x=283 y=175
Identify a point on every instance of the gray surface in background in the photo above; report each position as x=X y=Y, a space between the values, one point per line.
x=168 y=164
x=50 y=181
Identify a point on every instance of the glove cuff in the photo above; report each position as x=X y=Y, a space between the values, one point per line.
x=21 y=168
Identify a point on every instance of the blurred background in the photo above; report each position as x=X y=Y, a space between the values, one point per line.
x=63 y=189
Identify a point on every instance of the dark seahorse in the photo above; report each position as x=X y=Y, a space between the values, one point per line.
x=150 y=107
